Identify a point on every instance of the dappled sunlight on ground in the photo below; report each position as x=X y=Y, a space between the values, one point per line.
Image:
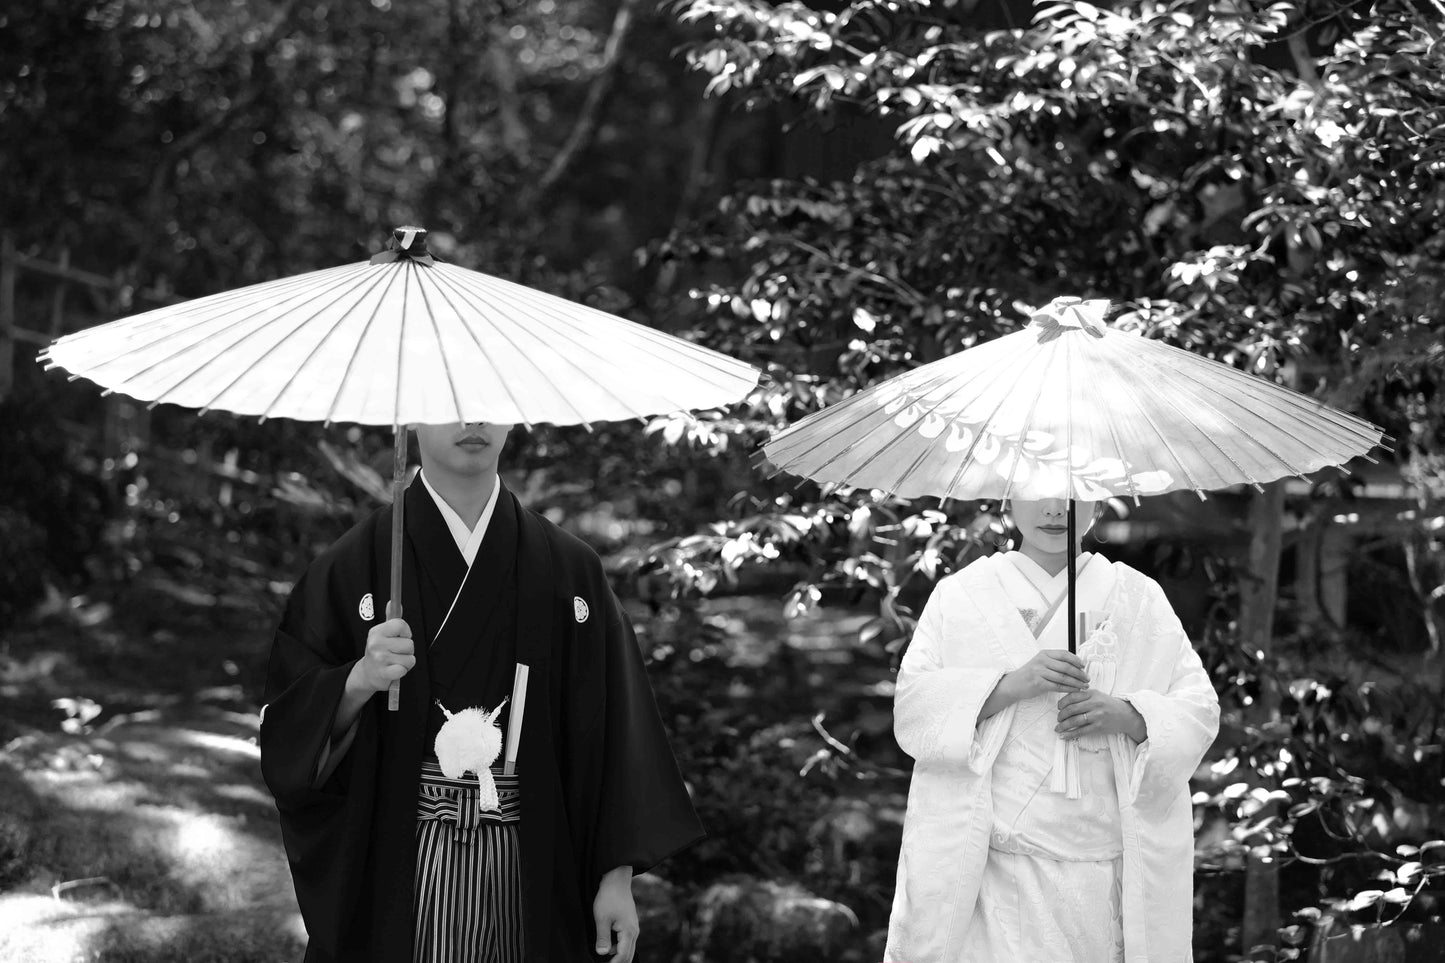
x=155 y=800
x=36 y=928
x=165 y=813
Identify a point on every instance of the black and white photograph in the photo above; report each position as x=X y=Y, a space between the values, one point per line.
x=722 y=481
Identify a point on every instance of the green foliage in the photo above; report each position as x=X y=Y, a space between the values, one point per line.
x=1343 y=789
x=214 y=144
x=1144 y=154
x=739 y=729
x=1263 y=185
x=1238 y=183
x=52 y=514
x=1229 y=191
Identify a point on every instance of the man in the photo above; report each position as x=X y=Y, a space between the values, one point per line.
x=393 y=861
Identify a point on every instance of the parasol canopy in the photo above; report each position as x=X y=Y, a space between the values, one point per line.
x=1069 y=407
x=402 y=339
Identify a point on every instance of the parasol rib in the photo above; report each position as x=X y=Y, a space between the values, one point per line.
x=167 y=319
x=192 y=346
x=668 y=348
x=1024 y=427
x=968 y=454
x=964 y=406
x=316 y=351
x=941 y=375
x=389 y=277
x=1321 y=419
x=858 y=399
x=481 y=348
x=543 y=322
x=476 y=298
x=1123 y=459
x=1203 y=400
x=1143 y=410
x=444 y=355
x=1209 y=439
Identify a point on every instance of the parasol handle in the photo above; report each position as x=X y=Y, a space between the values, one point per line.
x=398 y=492
x=1073 y=603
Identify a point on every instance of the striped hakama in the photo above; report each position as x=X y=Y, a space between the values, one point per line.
x=468 y=903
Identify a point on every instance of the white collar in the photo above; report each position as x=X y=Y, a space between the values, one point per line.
x=1047 y=585
x=469 y=540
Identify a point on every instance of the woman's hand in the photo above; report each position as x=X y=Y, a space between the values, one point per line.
x=1051 y=670
x=1092 y=713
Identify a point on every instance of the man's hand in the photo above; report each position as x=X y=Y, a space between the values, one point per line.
x=616 y=916
x=1092 y=713
x=389 y=656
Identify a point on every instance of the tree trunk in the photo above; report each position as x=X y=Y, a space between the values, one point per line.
x=1259 y=591
x=1307 y=558
x=7 y=314
x=590 y=116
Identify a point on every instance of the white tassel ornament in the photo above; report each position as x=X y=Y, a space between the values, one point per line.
x=470 y=741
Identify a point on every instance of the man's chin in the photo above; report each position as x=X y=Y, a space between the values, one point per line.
x=481 y=462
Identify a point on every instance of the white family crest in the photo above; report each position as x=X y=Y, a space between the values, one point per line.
x=367 y=608
x=580 y=611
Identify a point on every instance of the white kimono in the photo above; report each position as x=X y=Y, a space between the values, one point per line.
x=998 y=862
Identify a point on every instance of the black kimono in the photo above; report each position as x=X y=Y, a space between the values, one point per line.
x=600 y=787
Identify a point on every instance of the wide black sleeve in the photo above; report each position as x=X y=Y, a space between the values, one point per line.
x=311 y=657
x=324 y=827
x=643 y=812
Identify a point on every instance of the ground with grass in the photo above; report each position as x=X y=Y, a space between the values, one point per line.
x=133 y=821
x=134 y=824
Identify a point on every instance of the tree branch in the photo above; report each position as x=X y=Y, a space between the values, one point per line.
x=183 y=146
x=1305 y=64
x=586 y=125
x=515 y=138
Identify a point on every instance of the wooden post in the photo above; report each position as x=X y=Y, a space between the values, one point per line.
x=1258 y=592
x=8 y=269
x=57 y=299
x=1337 y=547
x=1307 y=549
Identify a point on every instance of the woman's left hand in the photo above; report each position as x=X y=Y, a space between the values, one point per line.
x=1092 y=713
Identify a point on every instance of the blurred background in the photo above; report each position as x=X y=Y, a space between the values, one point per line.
x=834 y=192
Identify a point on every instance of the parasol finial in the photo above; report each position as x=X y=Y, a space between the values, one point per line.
x=407 y=242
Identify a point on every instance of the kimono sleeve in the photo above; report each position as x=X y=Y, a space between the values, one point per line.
x=936 y=705
x=305 y=680
x=643 y=811
x=1182 y=720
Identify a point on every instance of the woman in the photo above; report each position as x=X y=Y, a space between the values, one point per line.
x=1049 y=817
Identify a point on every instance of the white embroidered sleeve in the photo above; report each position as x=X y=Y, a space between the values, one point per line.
x=936 y=706
x=1182 y=721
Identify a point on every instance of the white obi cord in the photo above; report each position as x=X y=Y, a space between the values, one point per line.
x=470 y=741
